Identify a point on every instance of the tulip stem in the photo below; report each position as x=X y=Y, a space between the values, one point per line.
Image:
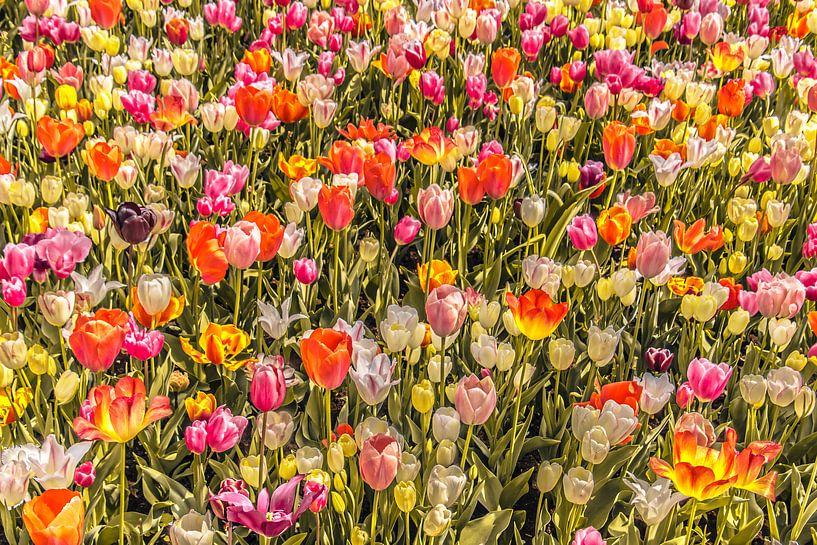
x=328 y=407
x=468 y=435
x=374 y=517
x=691 y=521
x=262 y=477
x=237 y=296
x=123 y=483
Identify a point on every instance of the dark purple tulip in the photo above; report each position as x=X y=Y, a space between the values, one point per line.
x=132 y=222
x=658 y=359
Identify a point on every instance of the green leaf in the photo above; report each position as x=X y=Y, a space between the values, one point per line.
x=485 y=530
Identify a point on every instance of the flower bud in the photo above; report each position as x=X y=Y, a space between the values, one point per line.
x=66 y=387
x=287 y=468
x=561 y=353
x=548 y=476
x=422 y=396
x=804 y=402
x=405 y=496
x=578 y=485
x=437 y=521
x=753 y=390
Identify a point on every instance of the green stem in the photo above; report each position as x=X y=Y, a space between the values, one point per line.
x=468 y=435
x=691 y=521
x=374 y=518
x=328 y=407
x=123 y=484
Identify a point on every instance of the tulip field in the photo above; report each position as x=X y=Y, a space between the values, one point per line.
x=391 y=272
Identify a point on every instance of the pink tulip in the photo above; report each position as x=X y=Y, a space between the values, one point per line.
x=706 y=379
x=224 y=430
x=579 y=37
x=18 y=260
x=195 y=437
x=406 y=230
x=223 y=14
x=781 y=297
x=711 y=28
x=62 y=250
x=582 y=232
x=597 y=100
x=85 y=474
x=475 y=399
x=306 y=272
x=242 y=244
x=435 y=205
x=379 y=460
x=142 y=344
x=14 y=291
x=268 y=386
x=684 y=395
x=639 y=206
x=446 y=309
x=652 y=253
x=588 y=536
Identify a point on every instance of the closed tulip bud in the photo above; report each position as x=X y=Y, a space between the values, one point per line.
x=595 y=445
x=409 y=467
x=338 y=503
x=436 y=521
x=753 y=390
x=40 y=361
x=561 y=353
x=547 y=477
x=347 y=443
x=13 y=350
x=405 y=496
x=796 y=360
x=738 y=321
x=422 y=396
x=445 y=424
x=781 y=330
x=489 y=314
x=179 y=381
x=359 y=536
x=783 y=384
x=509 y=322
x=279 y=428
x=339 y=481
x=737 y=262
x=532 y=210
x=307 y=459
x=602 y=344
x=154 y=292
x=192 y=529
x=56 y=306
x=605 y=289
x=804 y=402
x=66 y=387
x=334 y=457
x=85 y=474
x=288 y=468
x=578 y=485
x=369 y=249
x=447 y=453
x=6 y=377
x=50 y=189
x=249 y=469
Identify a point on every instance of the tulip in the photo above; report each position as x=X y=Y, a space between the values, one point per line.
x=582 y=232
x=436 y=521
x=753 y=390
x=305 y=269
x=475 y=399
x=195 y=437
x=618 y=142
x=118 y=413
x=652 y=253
x=132 y=222
x=372 y=377
x=655 y=393
x=85 y=475
x=708 y=380
x=597 y=101
x=55 y=516
x=504 y=65
x=224 y=430
x=578 y=485
x=276 y=428
x=588 y=536
x=268 y=385
x=445 y=485
x=98 y=338
x=535 y=313
x=200 y=407
x=614 y=224
x=192 y=529
x=272 y=234
x=326 y=355
x=379 y=459
x=57 y=306
x=784 y=384
x=653 y=501
x=446 y=310
x=337 y=206
x=154 y=292
x=253 y=104
x=59 y=138
x=242 y=244
x=221 y=345
x=435 y=205
x=14 y=480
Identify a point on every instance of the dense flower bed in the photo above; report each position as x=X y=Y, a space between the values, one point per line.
x=432 y=272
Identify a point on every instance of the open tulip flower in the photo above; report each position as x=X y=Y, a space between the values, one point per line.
x=428 y=272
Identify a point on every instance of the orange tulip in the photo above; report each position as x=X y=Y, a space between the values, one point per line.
x=626 y=392
x=172 y=311
x=59 y=138
x=367 y=130
x=812 y=321
x=699 y=472
x=337 y=206
x=171 y=114
x=681 y=112
x=470 y=188
x=259 y=60
x=220 y=344
x=253 y=104
x=12 y=405
x=709 y=130
x=105 y=13
x=345 y=158
x=496 y=173
x=690 y=285
x=566 y=83
x=727 y=57
x=272 y=234
x=379 y=174
x=8 y=72
x=535 y=313
x=200 y=406
x=286 y=107
x=618 y=142
x=704 y=473
x=206 y=253
x=441 y=273
x=103 y=160
x=38 y=220
x=664 y=147
x=614 y=224
x=297 y=166
x=504 y=65
x=118 y=413
x=56 y=517
x=98 y=338
x=694 y=239
x=797 y=24
x=430 y=146
x=732 y=98
x=327 y=355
